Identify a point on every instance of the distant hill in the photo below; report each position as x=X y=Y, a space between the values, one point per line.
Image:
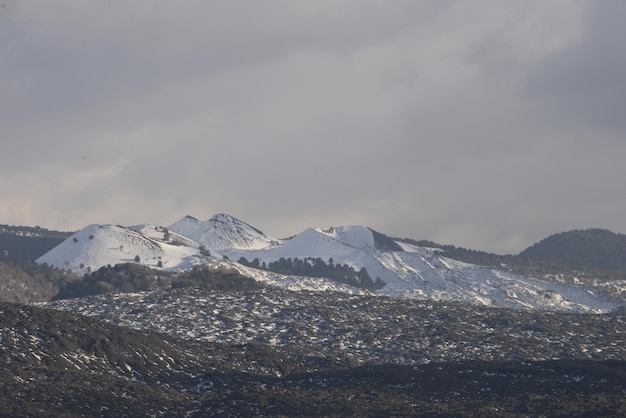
x=582 y=249
x=26 y=243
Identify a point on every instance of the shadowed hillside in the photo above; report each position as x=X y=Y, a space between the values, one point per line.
x=582 y=249
x=25 y=243
x=57 y=363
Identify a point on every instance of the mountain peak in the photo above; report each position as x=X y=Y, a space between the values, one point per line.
x=223 y=217
x=361 y=237
x=222 y=231
x=98 y=245
x=240 y=225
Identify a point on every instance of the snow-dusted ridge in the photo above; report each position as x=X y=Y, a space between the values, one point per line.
x=222 y=232
x=99 y=245
x=408 y=270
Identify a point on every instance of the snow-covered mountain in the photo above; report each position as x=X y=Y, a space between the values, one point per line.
x=407 y=270
x=99 y=245
x=418 y=272
x=222 y=232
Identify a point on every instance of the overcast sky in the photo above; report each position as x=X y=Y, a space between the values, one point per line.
x=483 y=124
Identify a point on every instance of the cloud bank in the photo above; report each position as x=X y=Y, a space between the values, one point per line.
x=488 y=124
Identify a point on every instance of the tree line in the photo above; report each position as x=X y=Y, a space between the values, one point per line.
x=130 y=278
x=316 y=267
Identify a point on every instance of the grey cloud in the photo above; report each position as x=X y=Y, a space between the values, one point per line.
x=419 y=119
x=582 y=86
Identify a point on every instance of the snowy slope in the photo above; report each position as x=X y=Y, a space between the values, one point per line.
x=99 y=245
x=309 y=243
x=408 y=270
x=419 y=272
x=222 y=232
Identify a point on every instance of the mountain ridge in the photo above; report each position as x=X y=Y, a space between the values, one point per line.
x=221 y=231
x=407 y=270
x=451 y=250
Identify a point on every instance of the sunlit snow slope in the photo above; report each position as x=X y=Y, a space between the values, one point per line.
x=99 y=245
x=222 y=232
x=407 y=270
x=412 y=271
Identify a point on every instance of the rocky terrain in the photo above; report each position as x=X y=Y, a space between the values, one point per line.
x=362 y=329
x=272 y=352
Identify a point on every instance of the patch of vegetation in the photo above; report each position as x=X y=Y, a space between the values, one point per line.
x=125 y=278
x=316 y=267
x=131 y=278
x=26 y=281
x=205 y=277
